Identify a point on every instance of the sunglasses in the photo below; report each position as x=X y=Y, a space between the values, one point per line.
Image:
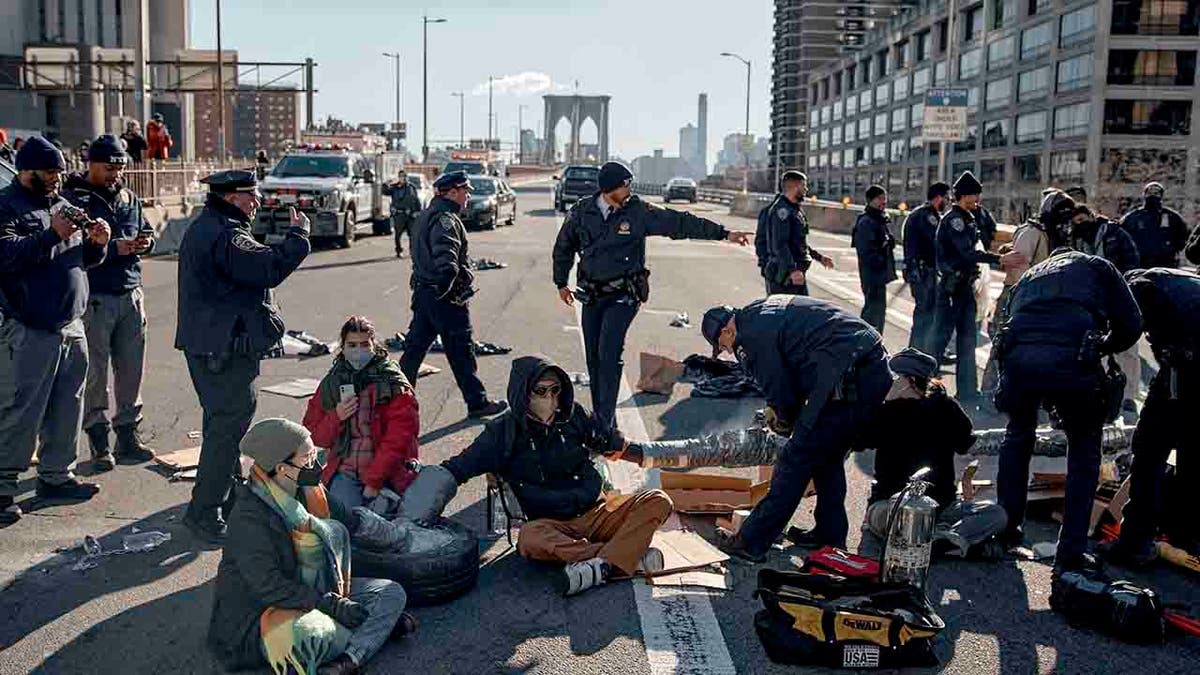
x=552 y=389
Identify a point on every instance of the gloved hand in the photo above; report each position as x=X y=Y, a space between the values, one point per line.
x=776 y=423
x=343 y=610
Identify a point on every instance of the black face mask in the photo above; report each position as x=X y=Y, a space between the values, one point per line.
x=309 y=476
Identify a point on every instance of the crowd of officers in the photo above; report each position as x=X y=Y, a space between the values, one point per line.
x=1080 y=288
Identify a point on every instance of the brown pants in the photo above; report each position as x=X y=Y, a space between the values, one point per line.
x=617 y=529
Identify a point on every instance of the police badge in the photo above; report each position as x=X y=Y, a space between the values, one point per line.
x=623 y=228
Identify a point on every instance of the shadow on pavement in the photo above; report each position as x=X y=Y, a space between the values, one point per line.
x=452 y=428
x=348 y=263
x=541 y=213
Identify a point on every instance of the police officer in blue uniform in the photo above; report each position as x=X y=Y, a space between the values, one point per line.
x=781 y=239
x=442 y=285
x=874 y=245
x=1159 y=232
x=608 y=233
x=44 y=255
x=958 y=260
x=227 y=323
x=1064 y=315
x=405 y=205
x=115 y=319
x=920 y=262
x=825 y=373
x=1170 y=304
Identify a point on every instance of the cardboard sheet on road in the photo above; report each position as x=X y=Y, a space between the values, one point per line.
x=187 y=458
x=717 y=580
x=685 y=551
x=304 y=387
x=700 y=494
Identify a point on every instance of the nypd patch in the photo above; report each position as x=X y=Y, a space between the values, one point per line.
x=933 y=219
x=958 y=224
x=783 y=213
x=623 y=228
x=246 y=243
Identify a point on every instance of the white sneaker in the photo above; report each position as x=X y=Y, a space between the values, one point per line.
x=652 y=562
x=580 y=576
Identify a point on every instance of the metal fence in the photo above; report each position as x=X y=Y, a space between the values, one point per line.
x=174 y=183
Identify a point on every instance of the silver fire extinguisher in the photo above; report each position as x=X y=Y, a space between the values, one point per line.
x=909 y=543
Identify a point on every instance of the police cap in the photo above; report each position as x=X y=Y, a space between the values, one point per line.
x=39 y=154
x=233 y=180
x=107 y=149
x=938 y=189
x=613 y=175
x=449 y=181
x=967 y=184
x=713 y=323
x=914 y=362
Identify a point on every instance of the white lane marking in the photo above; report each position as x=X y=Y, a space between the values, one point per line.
x=681 y=632
x=679 y=628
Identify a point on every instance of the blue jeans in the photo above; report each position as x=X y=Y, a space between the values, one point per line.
x=384 y=601
x=347 y=490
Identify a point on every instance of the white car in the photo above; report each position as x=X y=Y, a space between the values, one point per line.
x=680 y=188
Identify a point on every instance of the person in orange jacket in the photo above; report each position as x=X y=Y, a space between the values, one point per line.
x=365 y=413
x=158 y=138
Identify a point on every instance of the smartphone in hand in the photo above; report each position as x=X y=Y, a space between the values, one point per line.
x=347 y=392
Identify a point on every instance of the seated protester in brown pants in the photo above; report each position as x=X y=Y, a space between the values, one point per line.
x=917 y=426
x=543 y=447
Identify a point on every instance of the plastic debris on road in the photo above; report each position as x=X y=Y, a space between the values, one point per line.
x=396 y=344
x=483 y=264
x=681 y=321
x=138 y=542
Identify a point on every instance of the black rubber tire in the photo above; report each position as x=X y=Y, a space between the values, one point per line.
x=349 y=226
x=430 y=577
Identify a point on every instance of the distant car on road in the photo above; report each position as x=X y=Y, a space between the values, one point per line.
x=337 y=189
x=472 y=167
x=576 y=182
x=492 y=203
x=7 y=174
x=680 y=188
x=423 y=187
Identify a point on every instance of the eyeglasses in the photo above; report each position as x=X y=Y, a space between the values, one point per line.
x=551 y=390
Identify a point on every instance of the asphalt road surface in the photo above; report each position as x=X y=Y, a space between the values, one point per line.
x=148 y=612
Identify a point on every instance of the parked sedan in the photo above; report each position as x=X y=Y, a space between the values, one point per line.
x=680 y=188
x=492 y=203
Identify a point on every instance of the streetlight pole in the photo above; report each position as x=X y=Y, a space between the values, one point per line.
x=746 y=139
x=489 y=133
x=396 y=56
x=520 y=144
x=220 y=90
x=425 y=86
x=461 y=118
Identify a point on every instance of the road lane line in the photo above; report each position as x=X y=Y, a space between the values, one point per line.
x=679 y=627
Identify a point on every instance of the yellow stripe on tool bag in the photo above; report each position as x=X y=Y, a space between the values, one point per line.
x=808 y=619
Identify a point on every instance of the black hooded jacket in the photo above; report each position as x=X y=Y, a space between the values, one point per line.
x=549 y=467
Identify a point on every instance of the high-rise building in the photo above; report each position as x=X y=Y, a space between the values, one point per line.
x=1097 y=93
x=266 y=119
x=689 y=140
x=701 y=160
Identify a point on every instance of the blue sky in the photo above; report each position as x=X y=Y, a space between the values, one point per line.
x=653 y=57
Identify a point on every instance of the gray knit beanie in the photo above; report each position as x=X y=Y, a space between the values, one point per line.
x=271 y=441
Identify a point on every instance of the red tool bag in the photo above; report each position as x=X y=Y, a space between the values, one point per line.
x=835 y=561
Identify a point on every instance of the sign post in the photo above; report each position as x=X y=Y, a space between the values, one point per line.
x=945 y=119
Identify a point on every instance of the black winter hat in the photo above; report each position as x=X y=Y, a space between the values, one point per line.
x=914 y=362
x=38 y=154
x=967 y=184
x=874 y=191
x=614 y=175
x=107 y=149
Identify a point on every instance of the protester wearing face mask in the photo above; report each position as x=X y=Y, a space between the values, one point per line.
x=543 y=447
x=365 y=413
x=1158 y=231
x=285 y=595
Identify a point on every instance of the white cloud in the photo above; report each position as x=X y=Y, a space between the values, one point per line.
x=520 y=84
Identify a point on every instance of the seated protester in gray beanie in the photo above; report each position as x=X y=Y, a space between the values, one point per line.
x=284 y=591
x=917 y=426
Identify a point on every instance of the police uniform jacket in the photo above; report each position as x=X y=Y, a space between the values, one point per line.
x=1059 y=300
x=43 y=279
x=225 y=282
x=1111 y=243
x=1159 y=234
x=1170 y=304
x=403 y=198
x=920 y=242
x=787 y=240
x=122 y=210
x=956 y=239
x=439 y=249
x=615 y=248
x=875 y=245
x=799 y=348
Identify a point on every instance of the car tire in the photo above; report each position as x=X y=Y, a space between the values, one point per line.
x=666 y=199
x=495 y=222
x=348 y=227
x=429 y=577
x=558 y=207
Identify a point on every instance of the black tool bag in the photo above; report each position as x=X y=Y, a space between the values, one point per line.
x=838 y=622
x=1124 y=610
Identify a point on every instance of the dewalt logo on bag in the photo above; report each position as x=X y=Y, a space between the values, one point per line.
x=862 y=624
x=865 y=627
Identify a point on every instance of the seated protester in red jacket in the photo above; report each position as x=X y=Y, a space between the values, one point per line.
x=918 y=426
x=365 y=414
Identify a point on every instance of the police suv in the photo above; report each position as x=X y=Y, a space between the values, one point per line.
x=337 y=189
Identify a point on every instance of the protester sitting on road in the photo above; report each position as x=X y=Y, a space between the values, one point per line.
x=543 y=447
x=918 y=426
x=365 y=413
x=284 y=592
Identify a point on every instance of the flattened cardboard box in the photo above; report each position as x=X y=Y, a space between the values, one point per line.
x=701 y=494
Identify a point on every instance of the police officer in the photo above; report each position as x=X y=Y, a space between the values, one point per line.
x=825 y=373
x=781 y=239
x=115 y=319
x=1170 y=304
x=43 y=347
x=920 y=262
x=227 y=323
x=874 y=244
x=1064 y=315
x=608 y=232
x=958 y=260
x=1159 y=232
x=404 y=204
x=441 y=283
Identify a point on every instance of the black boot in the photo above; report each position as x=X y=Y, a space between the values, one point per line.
x=130 y=447
x=9 y=511
x=102 y=456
